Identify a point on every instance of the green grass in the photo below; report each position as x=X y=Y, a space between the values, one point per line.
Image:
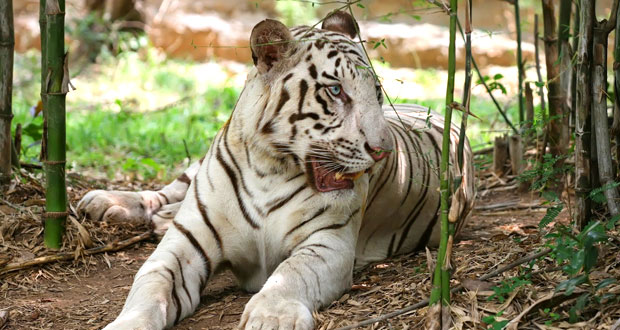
x=118 y=138
x=141 y=115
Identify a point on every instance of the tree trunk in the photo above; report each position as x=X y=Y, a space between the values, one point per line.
x=55 y=86
x=7 y=43
x=583 y=97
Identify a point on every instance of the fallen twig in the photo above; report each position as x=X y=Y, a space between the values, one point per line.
x=110 y=247
x=458 y=288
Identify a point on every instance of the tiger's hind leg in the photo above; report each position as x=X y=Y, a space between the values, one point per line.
x=138 y=207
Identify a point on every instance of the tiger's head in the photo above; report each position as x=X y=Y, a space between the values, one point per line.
x=322 y=102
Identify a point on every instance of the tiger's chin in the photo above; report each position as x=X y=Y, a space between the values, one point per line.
x=326 y=177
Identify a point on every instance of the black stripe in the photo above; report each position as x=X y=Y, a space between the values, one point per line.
x=303 y=89
x=332 y=53
x=426 y=236
x=389 y=250
x=164 y=196
x=233 y=180
x=412 y=217
x=175 y=296
x=287 y=199
x=312 y=70
x=323 y=104
x=184 y=178
x=234 y=161
x=182 y=278
x=294 y=177
x=329 y=76
x=190 y=237
x=284 y=96
x=205 y=217
x=316 y=214
x=330 y=227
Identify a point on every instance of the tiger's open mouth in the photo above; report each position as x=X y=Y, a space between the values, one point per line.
x=327 y=176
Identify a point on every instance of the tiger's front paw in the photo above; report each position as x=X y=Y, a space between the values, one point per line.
x=137 y=323
x=115 y=206
x=275 y=313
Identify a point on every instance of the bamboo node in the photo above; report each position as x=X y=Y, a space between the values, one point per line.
x=6 y=115
x=48 y=215
x=9 y=43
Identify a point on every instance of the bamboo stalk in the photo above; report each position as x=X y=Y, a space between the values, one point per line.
x=541 y=90
x=55 y=86
x=441 y=280
x=7 y=44
x=600 y=33
x=481 y=77
x=583 y=98
x=566 y=67
x=615 y=129
x=519 y=61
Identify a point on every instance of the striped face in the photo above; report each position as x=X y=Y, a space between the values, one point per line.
x=325 y=110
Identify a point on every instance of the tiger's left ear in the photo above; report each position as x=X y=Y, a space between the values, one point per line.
x=340 y=21
x=270 y=41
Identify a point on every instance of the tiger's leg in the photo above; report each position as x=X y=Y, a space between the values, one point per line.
x=317 y=272
x=167 y=287
x=138 y=206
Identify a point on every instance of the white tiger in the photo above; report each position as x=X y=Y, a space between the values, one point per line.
x=309 y=178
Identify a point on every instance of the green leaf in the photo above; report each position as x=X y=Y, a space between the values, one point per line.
x=498 y=76
x=359 y=5
x=569 y=286
x=551 y=214
x=539 y=84
x=605 y=282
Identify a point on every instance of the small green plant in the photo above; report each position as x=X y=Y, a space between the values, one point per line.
x=494 y=323
x=506 y=287
x=494 y=83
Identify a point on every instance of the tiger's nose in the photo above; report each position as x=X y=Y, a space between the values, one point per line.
x=376 y=153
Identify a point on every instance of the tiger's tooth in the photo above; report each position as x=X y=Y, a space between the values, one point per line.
x=357 y=175
x=338 y=176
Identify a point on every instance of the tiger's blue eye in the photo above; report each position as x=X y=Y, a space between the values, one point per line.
x=335 y=90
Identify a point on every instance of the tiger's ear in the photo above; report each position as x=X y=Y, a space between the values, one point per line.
x=270 y=40
x=340 y=21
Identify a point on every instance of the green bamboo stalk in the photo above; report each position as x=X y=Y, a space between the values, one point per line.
x=566 y=67
x=519 y=61
x=7 y=44
x=441 y=280
x=467 y=88
x=43 y=35
x=55 y=94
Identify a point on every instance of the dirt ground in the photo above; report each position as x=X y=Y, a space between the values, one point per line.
x=89 y=291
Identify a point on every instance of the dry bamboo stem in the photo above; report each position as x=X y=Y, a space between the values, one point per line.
x=583 y=115
x=110 y=247
x=7 y=43
x=599 y=112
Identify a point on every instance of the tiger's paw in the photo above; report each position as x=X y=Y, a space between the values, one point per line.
x=131 y=324
x=275 y=313
x=118 y=206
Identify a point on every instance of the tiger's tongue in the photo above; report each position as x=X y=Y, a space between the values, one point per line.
x=325 y=180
